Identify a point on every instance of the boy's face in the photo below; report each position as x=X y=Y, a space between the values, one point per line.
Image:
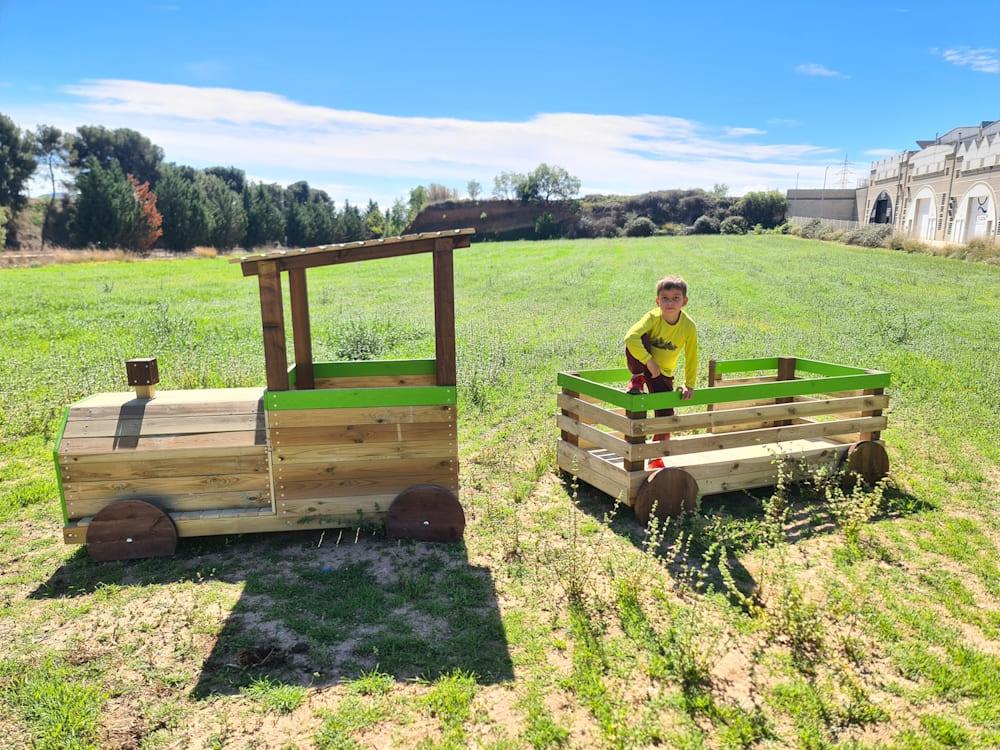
x=670 y=302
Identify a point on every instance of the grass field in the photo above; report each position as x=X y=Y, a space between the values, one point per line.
x=761 y=622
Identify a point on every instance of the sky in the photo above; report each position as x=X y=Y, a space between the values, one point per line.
x=366 y=100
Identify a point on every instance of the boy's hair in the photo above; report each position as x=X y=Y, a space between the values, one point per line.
x=672 y=282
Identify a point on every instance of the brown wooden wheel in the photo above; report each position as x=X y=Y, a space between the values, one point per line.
x=427 y=513
x=868 y=460
x=129 y=530
x=673 y=490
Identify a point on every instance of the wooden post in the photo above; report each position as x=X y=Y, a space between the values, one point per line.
x=874 y=413
x=444 y=311
x=711 y=384
x=300 y=329
x=143 y=375
x=272 y=319
x=635 y=440
x=569 y=438
x=786 y=371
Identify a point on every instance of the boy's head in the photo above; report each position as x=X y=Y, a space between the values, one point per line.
x=671 y=296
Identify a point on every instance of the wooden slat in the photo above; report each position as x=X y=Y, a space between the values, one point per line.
x=272 y=318
x=747 y=381
x=375 y=451
x=593 y=435
x=685 y=445
x=354 y=486
x=301 y=336
x=179 y=485
x=357 y=434
x=593 y=414
x=359 y=416
x=171 y=455
x=371 y=507
x=596 y=479
x=710 y=420
x=376 y=381
x=364 y=470
x=444 y=311
x=457 y=235
x=144 y=444
x=207 y=501
x=155 y=467
x=877 y=412
x=170 y=425
x=570 y=458
x=168 y=403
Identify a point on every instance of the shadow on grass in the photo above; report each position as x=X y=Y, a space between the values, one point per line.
x=735 y=520
x=317 y=615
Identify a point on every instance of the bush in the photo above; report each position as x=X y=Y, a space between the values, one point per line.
x=3 y=227
x=639 y=226
x=673 y=229
x=733 y=225
x=870 y=235
x=705 y=225
x=982 y=248
x=814 y=229
x=546 y=226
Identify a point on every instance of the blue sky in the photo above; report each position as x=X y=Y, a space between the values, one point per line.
x=369 y=99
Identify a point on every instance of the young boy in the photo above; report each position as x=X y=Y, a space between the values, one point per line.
x=654 y=344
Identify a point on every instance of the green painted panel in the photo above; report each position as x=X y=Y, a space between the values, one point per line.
x=55 y=458
x=344 y=398
x=724 y=366
x=615 y=375
x=816 y=367
x=362 y=368
x=726 y=393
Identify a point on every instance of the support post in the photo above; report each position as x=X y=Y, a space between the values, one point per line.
x=568 y=437
x=301 y=336
x=634 y=440
x=712 y=375
x=786 y=371
x=444 y=311
x=273 y=321
x=874 y=413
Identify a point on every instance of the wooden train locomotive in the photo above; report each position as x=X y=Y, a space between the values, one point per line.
x=324 y=445
x=806 y=414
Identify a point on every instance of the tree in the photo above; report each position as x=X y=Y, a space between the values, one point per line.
x=396 y=218
x=374 y=221
x=548 y=182
x=134 y=152
x=50 y=150
x=437 y=193
x=720 y=190
x=235 y=178
x=149 y=228
x=474 y=189
x=17 y=163
x=505 y=184
x=264 y=206
x=764 y=208
x=227 y=220
x=3 y=226
x=107 y=213
x=418 y=199
x=184 y=209
x=350 y=225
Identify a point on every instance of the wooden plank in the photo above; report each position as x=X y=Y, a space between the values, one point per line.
x=563 y=435
x=360 y=508
x=458 y=235
x=156 y=467
x=727 y=417
x=727 y=405
x=207 y=501
x=571 y=406
x=357 y=434
x=150 y=443
x=594 y=479
x=172 y=455
x=170 y=425
x=594 y=436
x=272 y=318
x=375 y=381
x=572 y=459
x=747 y=381
x=375 y=451
x=699 y=443
x=444 y=311
x=360 y=416
x=174 y=486
x=364 y=470
x=167 y=403
x=301 y=336
x=786 y=371
x=875 y=434
x=355 y=486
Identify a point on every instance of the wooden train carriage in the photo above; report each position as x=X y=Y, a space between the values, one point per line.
x=325 y=445
x=806 y=415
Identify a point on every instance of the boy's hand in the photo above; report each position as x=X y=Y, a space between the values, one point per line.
x=654 y=369
x=686 y=393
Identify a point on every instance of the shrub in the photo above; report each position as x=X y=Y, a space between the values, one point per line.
x=546 y=226
x=870 y=235
x=814 y=229
x=705 y=225
x=673 y=229
x=982 y=248
x=782 y=228
x=639 y=226
x=733 y=225
x=758 y=229
x=3 y=227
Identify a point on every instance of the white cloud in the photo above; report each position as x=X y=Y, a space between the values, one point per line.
x=379 y=155
x=815 y=69
x=983 y=60
x=738 y=132
x=882 y=153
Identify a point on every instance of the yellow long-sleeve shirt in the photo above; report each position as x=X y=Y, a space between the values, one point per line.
x=666 y=343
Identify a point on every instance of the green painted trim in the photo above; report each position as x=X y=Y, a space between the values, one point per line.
x=723 y=366
x=614 y=375
x=374 y=367
x=344 y=398
x=725 y=393
x=55 y=459
x=291 y=376
x=816 y=367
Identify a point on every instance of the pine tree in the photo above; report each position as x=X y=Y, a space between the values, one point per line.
x=107 y=213
x=184 y=210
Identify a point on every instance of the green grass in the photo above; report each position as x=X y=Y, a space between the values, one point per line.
x=479 y=643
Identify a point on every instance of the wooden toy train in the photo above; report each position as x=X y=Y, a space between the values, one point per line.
x=324 y=445
x=806 y=415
